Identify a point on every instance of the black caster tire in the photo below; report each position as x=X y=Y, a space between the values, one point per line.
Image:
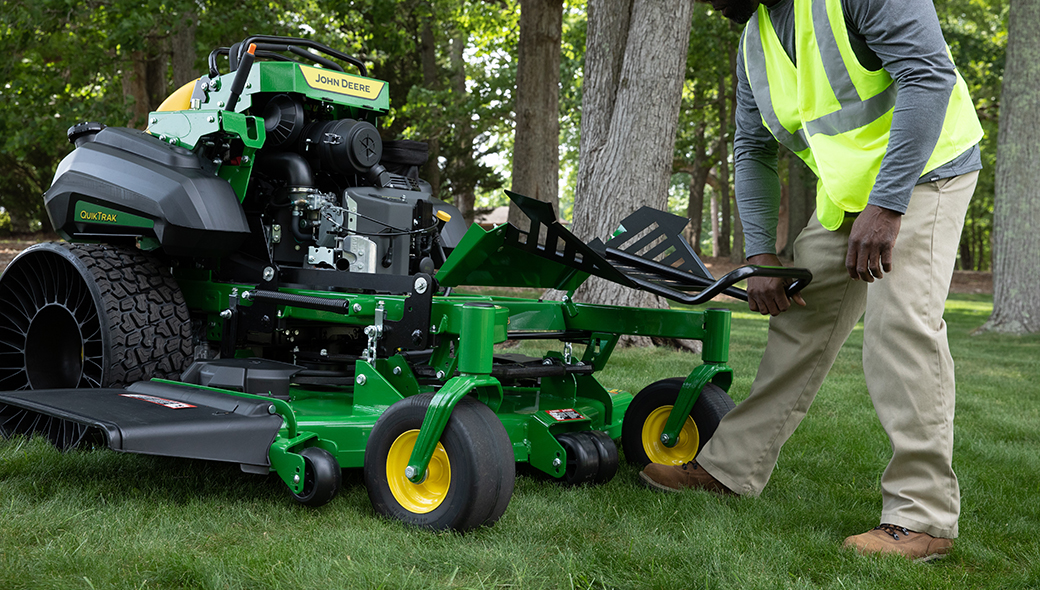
x=646 y=416
x=608 y=456
x=86 y=316
x=470 y=478
x=322 y=478
x=582 y=464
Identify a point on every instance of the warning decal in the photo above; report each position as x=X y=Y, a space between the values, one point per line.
x=169 y=403
x=565 y=415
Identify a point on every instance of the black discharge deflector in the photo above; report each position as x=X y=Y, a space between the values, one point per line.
x=156 y=418
x=647 y=252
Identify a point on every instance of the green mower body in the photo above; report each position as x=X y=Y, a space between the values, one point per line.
x=260 y=279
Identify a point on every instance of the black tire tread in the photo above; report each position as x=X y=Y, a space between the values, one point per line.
x=148 y=320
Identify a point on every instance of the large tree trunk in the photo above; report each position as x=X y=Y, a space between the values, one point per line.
x=1016 y=217
x=630 y=111
x=536 y=154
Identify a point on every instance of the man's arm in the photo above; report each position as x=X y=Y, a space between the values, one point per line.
x=906 y=37
x=758 y=197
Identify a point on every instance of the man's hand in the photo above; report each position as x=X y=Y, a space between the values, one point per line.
x=871 y=242
x=766 y=294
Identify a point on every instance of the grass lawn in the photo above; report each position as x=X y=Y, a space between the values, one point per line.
x=98 y=519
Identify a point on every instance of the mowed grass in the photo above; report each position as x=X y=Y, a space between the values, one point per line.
x=99 y=519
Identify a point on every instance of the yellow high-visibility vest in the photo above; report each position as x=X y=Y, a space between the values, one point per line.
x=831 y=111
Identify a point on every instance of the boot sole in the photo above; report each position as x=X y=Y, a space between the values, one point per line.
x=650 y=483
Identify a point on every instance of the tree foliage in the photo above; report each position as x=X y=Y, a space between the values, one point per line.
x=452 y=72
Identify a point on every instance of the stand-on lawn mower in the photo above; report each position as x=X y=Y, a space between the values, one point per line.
x=259 y=279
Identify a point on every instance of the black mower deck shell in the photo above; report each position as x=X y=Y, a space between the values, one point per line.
x=156 y=418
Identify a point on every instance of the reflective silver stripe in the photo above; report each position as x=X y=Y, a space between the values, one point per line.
x=756 y=69
x=837 y=73
x=855 y=115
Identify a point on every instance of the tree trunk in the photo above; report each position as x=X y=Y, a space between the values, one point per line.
x=721 y=211
x=144 y=81
x=536 y=154
x=801 y=194
x=695 y=205
x=1016 y=218
x=463 y=188
x=431 y=171
x=182 y=45
x=630 y=111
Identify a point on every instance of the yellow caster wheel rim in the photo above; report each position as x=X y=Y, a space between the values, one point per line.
x=683 y=451
x=427 y=495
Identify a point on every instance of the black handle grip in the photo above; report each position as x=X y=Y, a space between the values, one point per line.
x=239 y=83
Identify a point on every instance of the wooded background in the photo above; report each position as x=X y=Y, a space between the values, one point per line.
x=569 y=101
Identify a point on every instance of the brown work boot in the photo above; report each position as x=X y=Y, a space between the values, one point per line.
x=888 y=538
x=674 y=478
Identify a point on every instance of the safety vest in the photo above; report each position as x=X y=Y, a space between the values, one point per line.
x=831 y=111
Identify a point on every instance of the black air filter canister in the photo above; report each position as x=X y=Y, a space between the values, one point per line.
x=283 y=120
x=343 y=146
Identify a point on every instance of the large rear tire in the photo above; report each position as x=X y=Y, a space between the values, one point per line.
x=86 y=316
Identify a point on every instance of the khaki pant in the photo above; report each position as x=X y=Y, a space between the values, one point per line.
x=906 y=360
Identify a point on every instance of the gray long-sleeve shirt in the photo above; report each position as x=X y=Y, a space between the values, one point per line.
x=904 y=38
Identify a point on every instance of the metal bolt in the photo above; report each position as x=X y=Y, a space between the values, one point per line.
x=310 y=259
x=409 y=472
x=245 y=159
x=397 y=370
x=226 y=314
x=324 y=352
x=356 y=308
x=440 y=374
x=296 y=479
x=210 y=119
x=162 y=137
x=666 y=439
x=153 y=121
x=234 y=291
x=268 y=274
x=557 y=462
x=205 y=86
x=421 y=285
x=220 y=104
x=271 y=409
x=361 y=379
x=249 y=84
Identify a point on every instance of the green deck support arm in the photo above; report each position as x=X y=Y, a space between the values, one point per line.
x=475 y=359
x=715 y=354
x=437 y=416
x=688 y=395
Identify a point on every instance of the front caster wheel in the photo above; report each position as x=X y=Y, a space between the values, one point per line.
x=322 y=478
x=646 y=417
x=469 y=480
